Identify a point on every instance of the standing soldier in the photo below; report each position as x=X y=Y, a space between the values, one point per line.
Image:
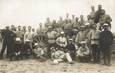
x=48 y=22
x=24 y=30
x=28 y=39
x=40 y=29
x=98 y=14
x=13 y=28
x=73 y=19
x=75 y=24
x=81 y=21
x=51 y=35
x=60 y=22
x=106 y=40
x=94 y=41
x=81 y=36
x=54 y=24
x=67 y=17
x=68 y=29
x=8 y=42
x=19 y=41
x=92 y=14
x=106 y=18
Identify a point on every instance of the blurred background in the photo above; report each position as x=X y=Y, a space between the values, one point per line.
x=32 y=12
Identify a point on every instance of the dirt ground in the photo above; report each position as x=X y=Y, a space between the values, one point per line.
x=35 y=66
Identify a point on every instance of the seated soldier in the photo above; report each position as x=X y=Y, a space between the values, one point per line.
x=83 y=52
x=62 y=41
x=71 y=49
x=39 y=52
x=57 y=55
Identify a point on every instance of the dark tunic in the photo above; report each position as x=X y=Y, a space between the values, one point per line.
x=98 y=15
x=8 y=42
x=72 y=50
x=105 y=39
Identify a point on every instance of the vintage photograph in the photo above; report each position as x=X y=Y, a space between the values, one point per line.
x=57 y=36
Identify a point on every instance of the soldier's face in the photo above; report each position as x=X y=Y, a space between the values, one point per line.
x=12 y=27
x=73 y=16
x=19 y=28
x=33 y=30
x=92 y=8
x=77 y=19
x=29 y=28
x=60 y=18
x=81 y=16
x=7 y=28
x=99 y=7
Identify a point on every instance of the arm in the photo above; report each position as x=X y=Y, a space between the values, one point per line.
x=65 y=43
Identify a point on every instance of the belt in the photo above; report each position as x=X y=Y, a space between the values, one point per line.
x=94 y=39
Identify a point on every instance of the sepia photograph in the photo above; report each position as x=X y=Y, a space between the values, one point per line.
x=57 y=36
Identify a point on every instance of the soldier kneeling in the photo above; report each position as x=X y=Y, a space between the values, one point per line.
x=83 y=52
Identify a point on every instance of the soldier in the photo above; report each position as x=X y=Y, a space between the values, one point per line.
x=8 y=42
x=73 y=19
x=71 y=49
x=13 y=28
x=106 y=40
x=98 y=14
x=62 y=41
x=81 y=36
x=94 y=41
x=83 y=52
x=28 y=39
x=81 y=21
x=40 y=29
x=68 y=28
x=54 y=24
x=51 y=35
x=92 y=14
x=60 y=22
x=24 y=30
x=18 y=42
x=75 y=24
x=67 y=17
x=90 y=20
x=106 y=18
x=48 y=22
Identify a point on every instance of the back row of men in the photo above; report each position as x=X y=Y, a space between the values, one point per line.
x=76 y=37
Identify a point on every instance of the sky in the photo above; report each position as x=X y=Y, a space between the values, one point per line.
x=32 y=12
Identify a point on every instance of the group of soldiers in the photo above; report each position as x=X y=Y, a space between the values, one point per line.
x=67 y=39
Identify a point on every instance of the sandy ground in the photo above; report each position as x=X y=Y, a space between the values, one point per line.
x=35 y=66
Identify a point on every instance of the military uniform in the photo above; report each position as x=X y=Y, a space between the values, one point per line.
x=94 y=41
x=8 y=42
x=51 y=35
x=81 y=36
x=98 y=15
x=106 y=40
